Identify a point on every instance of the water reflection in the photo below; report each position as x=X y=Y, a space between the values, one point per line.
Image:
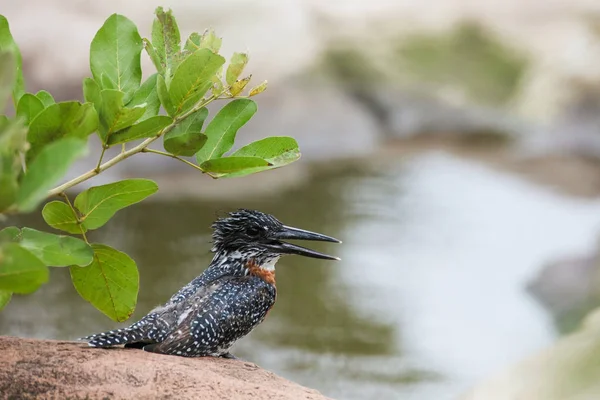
x=429 y=296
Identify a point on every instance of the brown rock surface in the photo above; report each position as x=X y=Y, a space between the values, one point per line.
x=46 y=369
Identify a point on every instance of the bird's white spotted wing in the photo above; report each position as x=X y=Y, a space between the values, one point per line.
x=227 y=313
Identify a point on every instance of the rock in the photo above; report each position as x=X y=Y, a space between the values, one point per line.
x=575 y=132
x=406 y=115
x=53 y=369
x=569 y=288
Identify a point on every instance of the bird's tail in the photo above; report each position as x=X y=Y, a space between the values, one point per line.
x=115 y=338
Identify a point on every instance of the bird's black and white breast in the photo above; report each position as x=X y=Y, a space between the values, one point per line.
x=210 y=325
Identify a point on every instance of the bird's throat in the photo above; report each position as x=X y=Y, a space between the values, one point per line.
x=266 y=271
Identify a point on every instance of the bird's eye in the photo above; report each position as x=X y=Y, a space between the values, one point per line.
x=252 y=231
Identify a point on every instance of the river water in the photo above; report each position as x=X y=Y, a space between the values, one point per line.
x=429 y=296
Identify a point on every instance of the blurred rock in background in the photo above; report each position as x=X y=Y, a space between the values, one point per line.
x=569 y=288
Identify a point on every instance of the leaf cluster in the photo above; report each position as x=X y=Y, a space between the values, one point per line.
x=43 y=140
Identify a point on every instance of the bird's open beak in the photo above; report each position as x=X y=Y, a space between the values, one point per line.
x=300 y=234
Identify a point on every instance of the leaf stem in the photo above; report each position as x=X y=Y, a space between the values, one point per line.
x=162 y=153
x=104 y=147
x=63 y=194
x=233 y=97
x=126 y=154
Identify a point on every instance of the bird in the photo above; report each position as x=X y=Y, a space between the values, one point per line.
x=226 y=301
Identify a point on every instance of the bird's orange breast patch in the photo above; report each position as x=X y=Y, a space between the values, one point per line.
x=265 y=275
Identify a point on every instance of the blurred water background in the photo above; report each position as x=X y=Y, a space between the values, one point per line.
x=453 y=146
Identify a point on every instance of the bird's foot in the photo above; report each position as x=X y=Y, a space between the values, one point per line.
x=229 y=356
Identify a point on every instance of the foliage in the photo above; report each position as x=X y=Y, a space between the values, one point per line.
x=43 y=140
x=469 y=57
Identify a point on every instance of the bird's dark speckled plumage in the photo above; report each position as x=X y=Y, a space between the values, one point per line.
x=228 y=300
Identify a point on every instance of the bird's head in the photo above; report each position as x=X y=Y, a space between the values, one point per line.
x=257 y=235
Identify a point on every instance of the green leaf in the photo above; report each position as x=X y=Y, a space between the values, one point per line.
x=115 y=56
x=7 y=43
x=217 y=88
x=192 y=79
x=153 y=56
x=9 y=234
x=7 y=76
x=20 y=271
x=114 y=116
x=147 y=96
x=163 y=96
x=210 y=41
x=68 y=119
x=45 y=97
x=110 y=283
x=46 y=169
x=5 y=297
x=186 y=138
x=29 y=107
x=13 y=139
x=166 y=39
x=91 y=92
x=236 y=67
x=59 y=215
x=117 y=117
x=277 y=150
x=98 y=204
x=269 y=148
x=186 y=145
x=8 y=182
x=228 y=165
x=13 y=136
x=193 y=42
x=195 y=98
x=222 y=129
x=145 y=129
x=106 y=83
x=52 y=250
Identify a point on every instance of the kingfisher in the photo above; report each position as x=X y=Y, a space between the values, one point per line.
x=228 y=300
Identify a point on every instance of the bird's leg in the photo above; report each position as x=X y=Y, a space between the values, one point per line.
x=229 y=356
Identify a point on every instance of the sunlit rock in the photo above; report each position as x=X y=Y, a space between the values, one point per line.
x=51 y=369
